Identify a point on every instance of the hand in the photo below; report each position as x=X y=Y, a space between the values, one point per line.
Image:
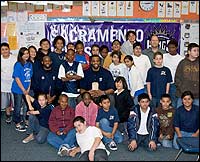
x=91 y=155
x=133 y=145
x=108 y=135
x=59 y=133
x=73 y=152
x=150 y=96
x=161 y=137
x=152 y=145
x=168 y=137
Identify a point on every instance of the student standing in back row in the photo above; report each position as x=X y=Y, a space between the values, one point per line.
x=187 y=74
x=7 y=63
x=158 y=80
x=22 y=74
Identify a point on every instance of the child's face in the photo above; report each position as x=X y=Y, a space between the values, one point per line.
x=42 y=101
x=71 y=46
x=70 y=56
x=158 y=60
x=80 y=127
x=59 y=44
x=144 y=103
x=137 y=51
x=45 y=45
x=104 y=53
x=80 y=49
x=95 y=51
x=165 y=102
x=128 y=63
x=32 y=53
x=115 y=59
x=87 y=100
x=172 y=49
x=116 y=46
x=194 y=52
x=105 y=104
x=63 y=101
x=5 y=51
x=25 y=56
x=187 y=101
x=119 y=85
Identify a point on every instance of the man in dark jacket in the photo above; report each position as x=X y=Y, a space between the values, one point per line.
x=142 y=125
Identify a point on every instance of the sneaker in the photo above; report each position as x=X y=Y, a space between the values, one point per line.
x=112 y=145
x=20 y=128
x=28 y=139
x=8 y=119
x=63 y=151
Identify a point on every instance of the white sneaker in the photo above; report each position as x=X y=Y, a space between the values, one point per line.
x=63 y=151
x=112 y=145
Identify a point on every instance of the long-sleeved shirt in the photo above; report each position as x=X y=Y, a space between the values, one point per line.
x=165 y=118
x=89 y=113
x=187 y=77
x=61 y=119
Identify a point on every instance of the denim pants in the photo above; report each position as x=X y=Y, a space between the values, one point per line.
x=104 y=124
x=56 y=141
x=179 y=102
x=72 y=102
x=19 y=101
x=38 y=131
x=172 y=93
x=184 y=134
x=166 y=142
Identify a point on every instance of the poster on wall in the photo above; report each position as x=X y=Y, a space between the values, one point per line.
x=184 y=7
x=120 y=8
x=112 y=8
x=161 y=9
x=103 y=8
x=86 y=8
x=129 y=8
x=95 y=8
x=30 y=33
x=106 y=33
x=169 y=9
x=189 y=34
x=177 y=9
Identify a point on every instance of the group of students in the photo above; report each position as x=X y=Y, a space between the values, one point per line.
x=67 y=97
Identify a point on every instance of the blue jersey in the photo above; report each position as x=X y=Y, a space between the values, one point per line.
x=24 y=73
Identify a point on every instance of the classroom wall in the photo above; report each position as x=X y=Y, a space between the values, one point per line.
x=18 y=19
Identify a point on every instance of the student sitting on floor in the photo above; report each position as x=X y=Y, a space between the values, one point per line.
x=91 y=149
x=38 y=118
x=107 y=120
x=142 y=125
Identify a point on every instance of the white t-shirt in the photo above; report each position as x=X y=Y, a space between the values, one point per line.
x=117 y=70
x=143 y=64
x=172 y=61
x=86 y=139
x=143 y=123
x=7 y=66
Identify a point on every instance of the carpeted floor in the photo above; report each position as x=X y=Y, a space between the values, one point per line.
x=12 y=149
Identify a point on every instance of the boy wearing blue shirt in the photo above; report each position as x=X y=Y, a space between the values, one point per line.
x=107 y=120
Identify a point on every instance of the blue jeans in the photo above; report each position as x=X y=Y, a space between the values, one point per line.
x=56 y=141
x=39 y=132
x=166 y=142
x=179 y=102
x=72 y=102
x=104 y=124
x=184 y=134
x=19 y=101
x=155 y=102
x=172 y=93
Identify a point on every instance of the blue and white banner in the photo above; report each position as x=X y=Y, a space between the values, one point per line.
x=106 y=32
